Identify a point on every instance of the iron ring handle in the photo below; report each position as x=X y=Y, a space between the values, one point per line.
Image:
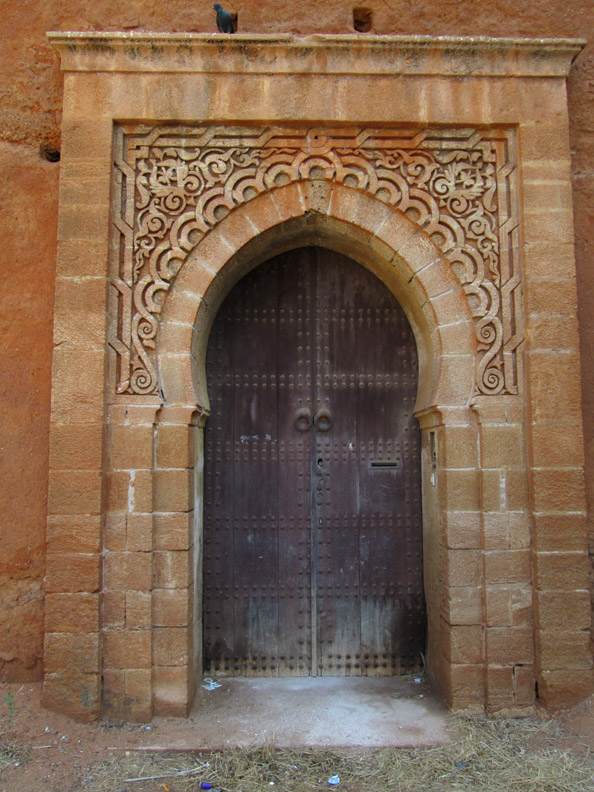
x=303 y=420
x=323 y=420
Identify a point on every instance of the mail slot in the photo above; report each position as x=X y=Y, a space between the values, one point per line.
x=386 y=464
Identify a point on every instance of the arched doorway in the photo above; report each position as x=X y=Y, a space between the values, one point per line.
x=312 y=508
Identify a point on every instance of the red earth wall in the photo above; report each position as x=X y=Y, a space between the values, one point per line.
x=30 y=105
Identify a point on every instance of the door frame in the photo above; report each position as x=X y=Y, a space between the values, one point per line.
x=506 y=564
x=432 y=300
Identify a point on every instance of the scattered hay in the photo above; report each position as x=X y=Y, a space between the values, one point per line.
x=522 y=755
x=11 y=755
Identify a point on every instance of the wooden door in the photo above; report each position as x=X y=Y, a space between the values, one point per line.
x=312 y=514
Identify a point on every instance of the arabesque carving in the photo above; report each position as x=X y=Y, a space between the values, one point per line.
x=175 y=183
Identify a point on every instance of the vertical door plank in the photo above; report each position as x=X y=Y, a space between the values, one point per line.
x=336 y=484
x=218 y=506
x=294 y=404
x=255 y=573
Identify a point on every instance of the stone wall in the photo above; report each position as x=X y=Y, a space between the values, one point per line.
x=30 y=128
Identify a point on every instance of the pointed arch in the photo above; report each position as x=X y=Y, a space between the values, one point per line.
x=341 y=218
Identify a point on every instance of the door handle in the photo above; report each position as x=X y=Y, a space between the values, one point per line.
x=322 y=420
x=303 y=420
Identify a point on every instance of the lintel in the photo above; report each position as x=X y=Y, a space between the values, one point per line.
x=315 y=54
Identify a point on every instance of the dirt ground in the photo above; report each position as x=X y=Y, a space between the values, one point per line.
x=44 y=752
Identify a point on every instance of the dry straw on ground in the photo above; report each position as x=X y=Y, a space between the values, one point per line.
x=524 y=755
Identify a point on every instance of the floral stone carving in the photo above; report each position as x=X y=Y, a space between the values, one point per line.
x=173 y=184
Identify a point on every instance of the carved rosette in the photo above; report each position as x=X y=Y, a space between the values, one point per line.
x=173 y=184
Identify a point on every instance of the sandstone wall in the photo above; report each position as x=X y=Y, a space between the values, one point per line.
x=30 y=100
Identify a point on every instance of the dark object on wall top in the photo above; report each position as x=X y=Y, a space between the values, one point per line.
x=224 y=20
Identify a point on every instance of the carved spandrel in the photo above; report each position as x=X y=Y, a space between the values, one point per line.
x=174 y=184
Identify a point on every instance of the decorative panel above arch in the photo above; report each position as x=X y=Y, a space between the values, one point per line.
x=173 y=184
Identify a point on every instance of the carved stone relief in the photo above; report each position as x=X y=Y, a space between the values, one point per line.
x=173 y=184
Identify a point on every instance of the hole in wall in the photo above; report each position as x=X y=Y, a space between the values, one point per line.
x=49 y=152
x=362 y=19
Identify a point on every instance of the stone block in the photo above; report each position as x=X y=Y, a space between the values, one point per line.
x=172 y=607
x=80 y=313
x=508 y=606
x=114 y=532
x=558 y=489
x=457 y=447
x=263 y=213
x=128 y=571
x=130 y=447
x=555 y=388
x=493 y=490
x=139 y=610
x=524 y=685
x=127 y=649
x=114 y=609
x=76 y=446
x=560 y=532
x=72 y=572
x=500 y=688
x=517 y=495
x=560 y=689
x=175 y=447
x=173 y=569
x=507 y=566
x=546 y=225
x=173 y=531
x=71 y=653
x=509 y=646
x=460 y=529
x=461 y=567
x=288 y=200
x=553 y=333
x=139 y=532
x=506 y=530
x=142 y=491
x=502 y=446
x=559 y=649
x=80 y=257
x=557 y=445
x=564 y=610
x=171 y=686
x=76 y=695
x=467 y=687
x=458 y=490
x=462 y=605
x=72 y=612
x=74 y=492
x=117 y=488
x=419 y=252
x=562 y=571
x=73 y=533
x=551 y=297
x=173 y=490
x=316 y=195
x=171 y=646
x=139 y=694
x=77 y=399
x=465 y=644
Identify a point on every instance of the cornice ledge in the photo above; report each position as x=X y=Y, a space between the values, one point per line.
x=256 y=53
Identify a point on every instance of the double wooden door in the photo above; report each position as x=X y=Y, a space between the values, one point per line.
x=312 y=513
